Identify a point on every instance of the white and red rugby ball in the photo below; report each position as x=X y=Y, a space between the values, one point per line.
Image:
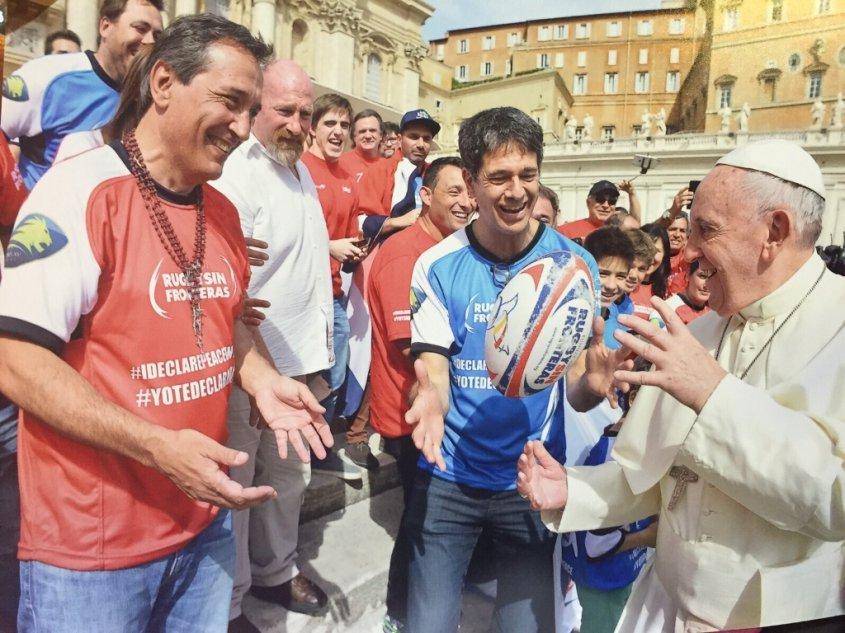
x=539 y=324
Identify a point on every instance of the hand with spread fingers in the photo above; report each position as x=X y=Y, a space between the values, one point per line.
x=292 y=412
x=251 y=315
x=541 y=479
x=426 y=415
x=255 y=251
x=682 y=367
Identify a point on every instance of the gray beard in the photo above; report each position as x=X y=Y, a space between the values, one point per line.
x=285 y=154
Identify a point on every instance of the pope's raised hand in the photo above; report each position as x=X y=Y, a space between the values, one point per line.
x=682 y=367
x=602 y=363
x=426 y=415
x=541 y=479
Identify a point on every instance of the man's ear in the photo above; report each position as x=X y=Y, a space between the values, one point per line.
x=468 y=180
x=781 y=229
x=103 y=26
x=162 y=80
x=425 y=196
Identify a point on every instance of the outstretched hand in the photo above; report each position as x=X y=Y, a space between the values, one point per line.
x=541 y=479
x=289 y=408
x=682 y=367
x=426 y=415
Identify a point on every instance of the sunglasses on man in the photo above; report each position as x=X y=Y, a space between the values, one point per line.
x=600 y=199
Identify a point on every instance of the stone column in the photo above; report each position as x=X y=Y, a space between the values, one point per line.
x=264 y=20
x=184 y=7
x=81 y=18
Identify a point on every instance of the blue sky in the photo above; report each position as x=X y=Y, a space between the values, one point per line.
x=456 y=14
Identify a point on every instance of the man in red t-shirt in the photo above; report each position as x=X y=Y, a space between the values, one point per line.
x=676 y=222
x=366 y=140
x=446 y=208
x=389 y=193
x=601 y=203
x=12 y=194
x=120 y=338
x=338 y=194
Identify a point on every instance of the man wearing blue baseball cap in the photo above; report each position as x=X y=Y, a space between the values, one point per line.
x=389 y=192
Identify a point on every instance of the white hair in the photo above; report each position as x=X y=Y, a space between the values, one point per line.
x=771 y=192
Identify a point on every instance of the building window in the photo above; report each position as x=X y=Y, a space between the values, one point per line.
x=641 y=82
x=776 y=10
x=514 y=39
x=441 y=52
x=561 y=31
x=725 y=96
x=823 y=6
x=372 y=87
x=611 y=57
x=582 y=30
x=582 y=59
x=461 y=73
x=673 y=78
x=463 y=46
x=614 y=29
x=558 y=60
x=542 y=60
x=579 y=85
x=676 y=26
x=607 y=132
x=815 y=86
x=730 y=18
x=674 y=55
x=636 y=130
x=544 y=34
x=794 y=62
x=611 y=83
x=643 y=58
x=645 y=27
x=486 y=69
x=488 y=43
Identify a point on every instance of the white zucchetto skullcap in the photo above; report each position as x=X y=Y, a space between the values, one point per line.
x=784 y=159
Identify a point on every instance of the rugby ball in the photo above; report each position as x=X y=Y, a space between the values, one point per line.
x=539 y=324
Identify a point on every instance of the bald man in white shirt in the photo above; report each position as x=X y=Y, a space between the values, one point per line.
x=738 y=439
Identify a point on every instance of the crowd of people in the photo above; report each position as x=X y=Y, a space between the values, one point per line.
x=194 y=242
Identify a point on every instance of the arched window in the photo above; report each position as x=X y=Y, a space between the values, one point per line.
x=372 y=86
x=299 y=43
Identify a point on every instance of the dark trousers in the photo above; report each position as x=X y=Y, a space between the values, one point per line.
x=10 y=518
x=402 y=449
x=444 y=521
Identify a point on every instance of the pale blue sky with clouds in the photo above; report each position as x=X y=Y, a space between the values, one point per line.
x=456 y=14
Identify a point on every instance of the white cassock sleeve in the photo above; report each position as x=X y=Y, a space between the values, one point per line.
x=600 y=497
x=780 y=454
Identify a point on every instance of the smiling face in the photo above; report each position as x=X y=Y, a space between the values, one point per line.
x=287 y=103
x=330 y=134
x=613 y=275
x=389 y=144
x=506 y=189
x=658 y=256
x=209 y=117
x=601 y=206
x=697 y=289
x=415 y=141
x=678 y=232
x=448 y=203
x=140 y=23
x=367 y=135
x=727 y=237
x=636 y=275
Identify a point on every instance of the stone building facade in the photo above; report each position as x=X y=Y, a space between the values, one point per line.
x=368 y=50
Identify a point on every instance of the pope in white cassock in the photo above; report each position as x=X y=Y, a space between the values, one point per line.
x=737 y=439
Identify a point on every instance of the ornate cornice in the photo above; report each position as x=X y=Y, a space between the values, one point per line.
x=336 y=15
x=415 y=52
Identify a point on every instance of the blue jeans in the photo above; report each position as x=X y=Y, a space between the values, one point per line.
x=336 y=374
x=444 y=521
x=10 y=517
x=188 y=590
